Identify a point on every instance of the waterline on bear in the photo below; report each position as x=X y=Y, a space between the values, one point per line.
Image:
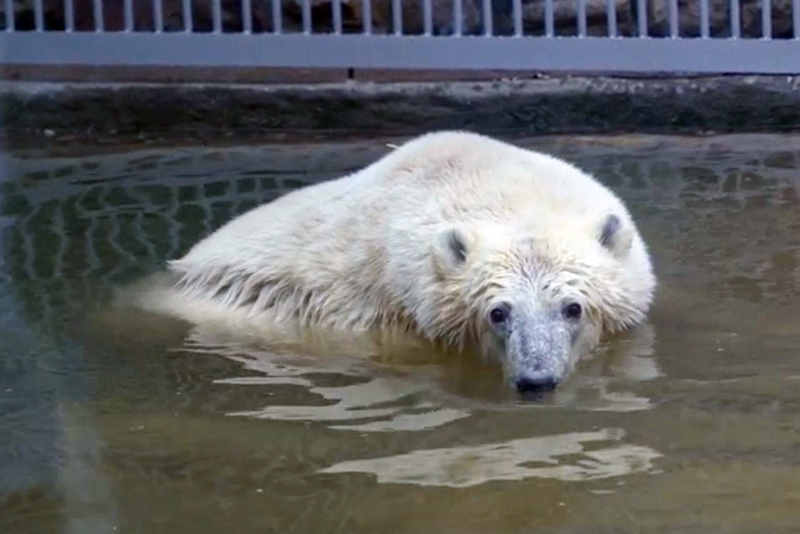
x=460 y=238
x=447 y=385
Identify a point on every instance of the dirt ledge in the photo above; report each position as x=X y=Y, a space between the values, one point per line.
x=38 y=114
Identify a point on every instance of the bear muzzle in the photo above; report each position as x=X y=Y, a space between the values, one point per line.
x=537 y=355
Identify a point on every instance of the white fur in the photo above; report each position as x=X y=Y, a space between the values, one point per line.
x=370 y=249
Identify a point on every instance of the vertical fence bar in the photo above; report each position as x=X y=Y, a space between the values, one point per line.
x=458 y=17
x=188 y=25
x=337 y=16
x=99 y=24
x=673 y=18
x=735 y=22
x=611 y=16
x=158 y=16
x=549 y=22
x=277 y=17
x=38 y=14
x=641 y=15
x=127 y=15
x=427 y=17
x=69 y=16
x=796 y=18
x=705 y=19
x=517 y=6
x=397 y=17
x=366 y=16
x=488 y=22
x=247 y=16
x=216 y=14
x=10 y=15
x=766 y=19
x=307 y=17
x=581 y=18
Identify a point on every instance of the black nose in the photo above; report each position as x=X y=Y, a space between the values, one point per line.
x=536 y=382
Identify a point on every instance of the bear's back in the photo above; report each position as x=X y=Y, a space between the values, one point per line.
x=463 y=175
x=356 y=250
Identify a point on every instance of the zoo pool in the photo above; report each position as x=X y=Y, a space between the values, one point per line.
x=116 y=421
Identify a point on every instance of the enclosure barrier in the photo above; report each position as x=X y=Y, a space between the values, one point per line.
x=703 y=36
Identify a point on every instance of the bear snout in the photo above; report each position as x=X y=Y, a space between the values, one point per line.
x=536 y=382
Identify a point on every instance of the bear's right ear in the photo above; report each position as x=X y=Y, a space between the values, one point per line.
x=615 y=235
x=451 y=249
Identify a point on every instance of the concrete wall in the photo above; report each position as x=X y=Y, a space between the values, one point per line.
x=52 y=114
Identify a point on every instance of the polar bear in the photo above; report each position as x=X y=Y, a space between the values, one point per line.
x=454 y=236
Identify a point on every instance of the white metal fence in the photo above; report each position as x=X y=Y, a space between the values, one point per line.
x=702 y=36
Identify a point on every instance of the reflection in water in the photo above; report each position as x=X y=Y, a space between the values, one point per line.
x=153 y=427
x=410 y=399
x=459 y=467
x=88 y=500
x=630 y=358
x=351 y=402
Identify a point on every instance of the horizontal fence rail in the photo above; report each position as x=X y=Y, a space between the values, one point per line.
x=704 y=36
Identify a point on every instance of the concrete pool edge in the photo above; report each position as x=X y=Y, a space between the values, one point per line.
x=37 y=114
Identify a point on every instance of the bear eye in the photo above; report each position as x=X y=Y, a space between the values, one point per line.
x=573 y=311
x=498 y=314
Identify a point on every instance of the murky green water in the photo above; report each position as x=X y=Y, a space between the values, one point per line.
x=113 y=421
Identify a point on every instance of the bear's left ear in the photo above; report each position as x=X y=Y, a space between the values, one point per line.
x=450 y=249
x=615 y=235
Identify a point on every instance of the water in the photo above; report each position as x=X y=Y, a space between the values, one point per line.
x=117 y=421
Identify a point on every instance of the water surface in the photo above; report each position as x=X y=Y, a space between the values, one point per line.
x=116 y=421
